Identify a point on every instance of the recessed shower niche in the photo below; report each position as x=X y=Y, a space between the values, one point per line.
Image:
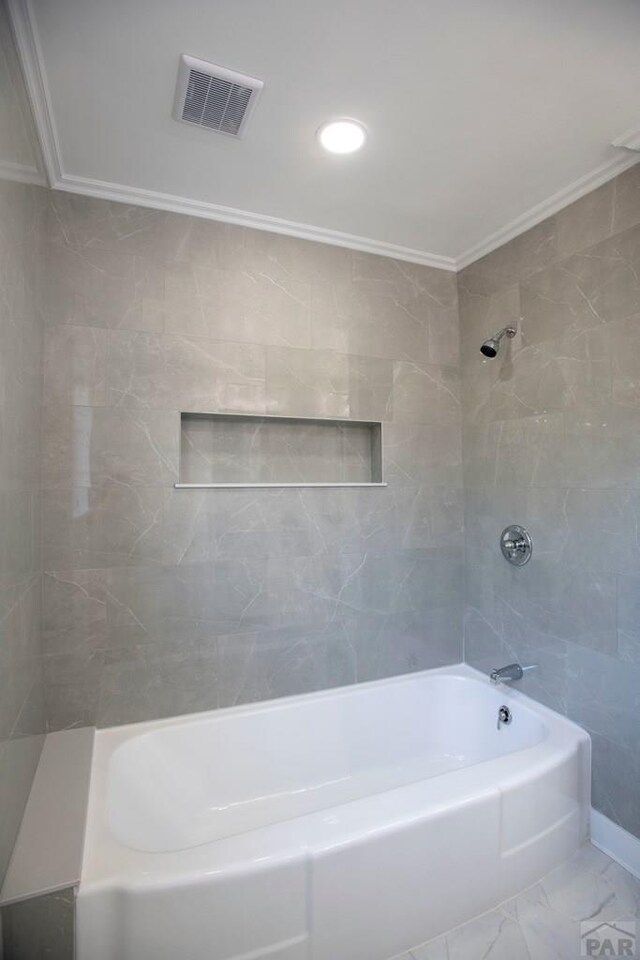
x=237 y=450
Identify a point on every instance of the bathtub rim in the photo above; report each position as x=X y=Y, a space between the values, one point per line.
x=109 y=865
x=460 y=670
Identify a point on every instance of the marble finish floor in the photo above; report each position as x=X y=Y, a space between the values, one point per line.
x=543 y=923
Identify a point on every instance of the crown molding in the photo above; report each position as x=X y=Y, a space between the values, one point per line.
x=26 y=37
x=21 y=173
x=30 y=53
x=553 y=204
x=257 y=221
x=29 y=50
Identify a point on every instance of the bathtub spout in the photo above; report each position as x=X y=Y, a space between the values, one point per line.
x=513 y=671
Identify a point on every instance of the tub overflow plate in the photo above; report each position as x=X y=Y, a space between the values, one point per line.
x=504 y=716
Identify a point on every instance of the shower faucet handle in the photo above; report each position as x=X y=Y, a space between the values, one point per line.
x=516 y=545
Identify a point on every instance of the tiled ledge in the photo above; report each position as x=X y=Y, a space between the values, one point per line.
x=48 y=852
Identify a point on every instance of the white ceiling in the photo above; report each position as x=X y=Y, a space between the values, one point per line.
x=480 y=111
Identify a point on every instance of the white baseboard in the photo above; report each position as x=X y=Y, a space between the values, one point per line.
x=616 y=842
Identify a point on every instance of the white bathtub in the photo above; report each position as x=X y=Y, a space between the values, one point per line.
x=345 y=825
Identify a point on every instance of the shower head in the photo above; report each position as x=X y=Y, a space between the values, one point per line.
x=491 y=346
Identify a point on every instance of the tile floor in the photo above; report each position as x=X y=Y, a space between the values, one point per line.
x=543 y=923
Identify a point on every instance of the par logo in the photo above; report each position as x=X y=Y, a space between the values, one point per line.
x=608 y=939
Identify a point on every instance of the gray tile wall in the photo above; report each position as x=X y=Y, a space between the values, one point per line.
x=552 y=441
x=22 y=210
x=161 y=602
x=41 y=928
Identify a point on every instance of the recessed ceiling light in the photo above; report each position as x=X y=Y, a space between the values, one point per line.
x=342 y=136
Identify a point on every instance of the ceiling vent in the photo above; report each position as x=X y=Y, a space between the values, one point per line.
x=211 y=96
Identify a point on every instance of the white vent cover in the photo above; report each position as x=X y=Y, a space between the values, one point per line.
x=211 y=96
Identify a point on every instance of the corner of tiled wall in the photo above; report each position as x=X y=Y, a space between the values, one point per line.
x=552 y=441
x=22 y=217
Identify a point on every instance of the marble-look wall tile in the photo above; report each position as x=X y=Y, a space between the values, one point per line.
x=22 y=236
x=431 y=291
x=527 y=451
x=587 y=221
x=555 y=375
x=616 y=781
x=513 y=262
x=41 y=928
x=213 y=669
x=598 y=286
x=425 y=393
x=75 y=612
x=594 y=677
x=307 y=522
x=624 y=340
x=75 y=365
x=551 y=441
x=628 y=592
x=181 y=373
x=627 y=200
x=601 y=447
x=385 y=317
x=308 y=383
x=537 y=603
x=284 y=259
x=422 y=453
x=103 y=525
x=243 y=305
x=83 y=446
x=160 y=601
x=323 y=383
x=96 y=287
x=83 y=225
x=167 y=643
